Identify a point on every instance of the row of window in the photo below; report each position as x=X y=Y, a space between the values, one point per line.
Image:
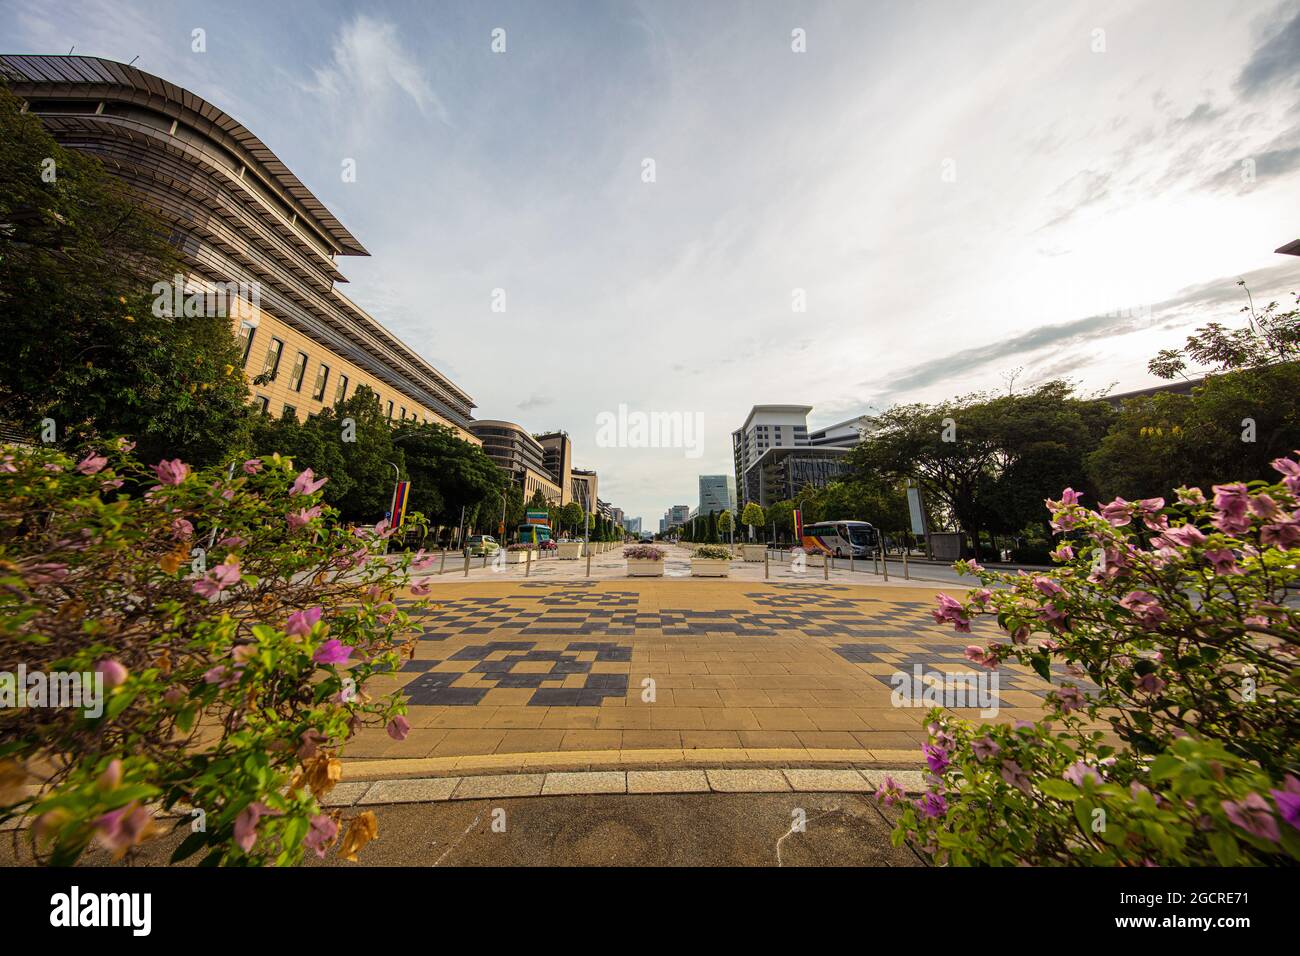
x=271 y=369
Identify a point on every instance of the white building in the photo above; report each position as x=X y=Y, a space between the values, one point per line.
x=774 y=454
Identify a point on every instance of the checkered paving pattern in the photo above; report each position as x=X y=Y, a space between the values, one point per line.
x=529 y=668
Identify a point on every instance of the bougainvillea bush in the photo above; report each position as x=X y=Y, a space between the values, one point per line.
x=644 y=552
x=234 y=623
x=1183 y=615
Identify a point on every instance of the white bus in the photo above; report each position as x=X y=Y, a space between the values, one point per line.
x=841 y=538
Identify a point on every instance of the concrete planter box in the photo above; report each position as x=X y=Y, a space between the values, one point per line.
x=569 y=550
x=518 y=557
x=753 y=552
x=816 y=559
x=710 y=568
x=644 y=568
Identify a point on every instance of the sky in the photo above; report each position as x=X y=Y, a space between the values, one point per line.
x=955 y=192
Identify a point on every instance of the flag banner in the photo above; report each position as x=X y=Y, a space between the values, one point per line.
x=798 y=526
x=401 y=493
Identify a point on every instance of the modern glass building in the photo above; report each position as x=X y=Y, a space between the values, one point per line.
x=239 y=219
x=519 y=455
x=717 y=493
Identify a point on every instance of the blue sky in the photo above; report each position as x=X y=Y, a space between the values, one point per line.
x=960 y=189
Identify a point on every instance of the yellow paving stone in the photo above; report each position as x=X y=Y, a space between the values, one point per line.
x=827 y=739
x=676 y=718
x=729 y=718
x=782 y=718
x=710 y=740
x=515 y=717
x=515 y=697
x=898 y=756
x=571 y=717
x=651 y=739
x=530 y=741
x=624 y=718
x=459 y=743
x=592 y=740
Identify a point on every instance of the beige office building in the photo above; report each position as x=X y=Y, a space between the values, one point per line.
x=240 y=220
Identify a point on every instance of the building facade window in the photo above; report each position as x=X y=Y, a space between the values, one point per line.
x=289 y=411
x=389 y=413
x=262 y=404
x=341 y=392
x=401 y=415
x=299 y=369
x=322 y=379
x=246 y=333
x=271 y=368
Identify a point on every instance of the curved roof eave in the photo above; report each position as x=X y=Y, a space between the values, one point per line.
x=100 y=74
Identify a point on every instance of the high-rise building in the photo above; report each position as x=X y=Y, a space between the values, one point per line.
x=239 y=220
x=519 y=455
x=584 y=487
x=678 y=514
x=663 y=525
x=717 y=493
x=632 y=525
x=557 y=452
x=774 y=456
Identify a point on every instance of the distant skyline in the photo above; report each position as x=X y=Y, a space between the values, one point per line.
x=955 y=190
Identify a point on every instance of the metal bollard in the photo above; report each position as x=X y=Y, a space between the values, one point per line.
x=528 y=562
x=588 y=564
x=442 y=567
x=826 y=567
x=875 y=559
x=466 y=564
x=884 y=563
x=766 y=571
x=906 y=576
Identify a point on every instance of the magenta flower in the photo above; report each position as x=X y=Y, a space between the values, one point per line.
x=1288 y=801
x=420 y=590
x=120 y=829
x=321 y=834
x=48 y=572
x=1071 y=699
x=1290 y=470
x=1118 y=512
x=1183 y=536
x=1231 y=502
x=114 y=673
x=1047 y=586
x=1150 y=683
x=984 y=658
x=398 y=728
x=219 y=578
x=1079 y=771
x=1255 y=816
x=1015 y=775
x=252 y=466
x=889 y=792
x=306 y=483
x=247 y=821
x=935 y=757
x=1283 y=534
x=332 y=652
x=302 y=517
x=950 y=611
x=984 y=748
x=932 y=805
x=1145 y=607
x=182 y=529
x=171 y=472
x=111 y=776
x=1063 y=553
x=1190 y=496
x=301 y=622
x=92 y=464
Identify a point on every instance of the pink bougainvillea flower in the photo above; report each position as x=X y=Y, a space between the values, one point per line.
x=111 y=485
x=332 y=652
x=398 y=728
x=984 y=748
x=1255 y=816
x=1079 y=771
x=92 y=464
x=320 y=835
x=420 y=590
x=1071 y=699
x=301 y=622
x=1290 y=471
x=950 y=611
x=1119 y=512
x=935 y=757
x=114 y=673
x=984 y=658
x=171 y=472
x=1231 y=503
x=1288 y=801
x=1282 y=534
x=47 y=572
x=120 y=829
x=1047 y=586
x=1145 y=607
x=234 y=541
x=1015 y=775
x=182 y=529
x=111 y=777
x=889 y=791
x=1183 y=536
x=931 y=805
x=1223 y=560
x=1063 y=553
x=1190 y=496
x=309 y=743
x=247 y=821
x=252 y=466
x=307 y=483
x=1150 y=683
x=219 y=578
x=302 y=517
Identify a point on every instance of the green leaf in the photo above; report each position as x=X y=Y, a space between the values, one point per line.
x=1060 y=789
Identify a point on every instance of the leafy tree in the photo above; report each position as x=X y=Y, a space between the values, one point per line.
x=1269 y=337
x=753 y=516
x=447 y=472
x=781 y=516
x=79 y=255
x=726 y=523
x=573 y=516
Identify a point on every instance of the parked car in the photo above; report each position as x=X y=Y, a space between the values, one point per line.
x=477 y=545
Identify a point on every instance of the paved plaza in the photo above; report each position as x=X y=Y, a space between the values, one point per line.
x=534 y=675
